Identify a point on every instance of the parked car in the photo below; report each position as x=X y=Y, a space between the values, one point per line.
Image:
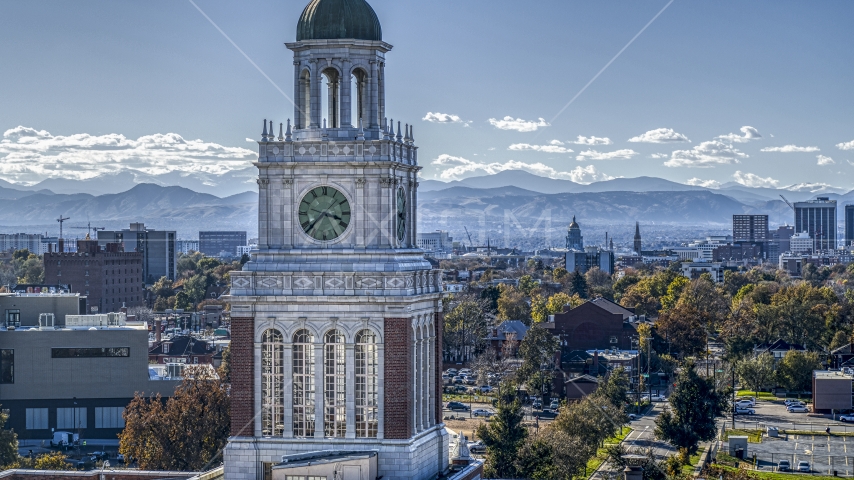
x=847 y=418
x=465 y=371
x=537 y=405
x=750 y=400
x=457 y=406
x=482 y=412
x=798 y=409
x=460 y=389
x=554 y=405
x=804 y=467
x=790 y=401
x=101 y=455
x=469 y=380
x=745 y=403
x=120 y=458
x=457 y=379
x=784 y=466
x=486 y=389
x=477 y=447
x=658 y=398
x=739 y=410
x=634 y=416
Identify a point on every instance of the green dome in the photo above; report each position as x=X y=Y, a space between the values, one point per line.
x=335 y=19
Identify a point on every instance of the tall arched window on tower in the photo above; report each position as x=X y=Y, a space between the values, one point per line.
x=335 y=381
x=272 y=384
x=304 y=120
x=360 y=101
x=330 y=98
x=303 y=377
x=367 y=374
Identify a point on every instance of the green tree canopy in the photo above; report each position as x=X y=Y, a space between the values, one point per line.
x=503 y=435
x=794 y=370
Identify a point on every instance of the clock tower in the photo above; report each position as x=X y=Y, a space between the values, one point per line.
x=336 y=321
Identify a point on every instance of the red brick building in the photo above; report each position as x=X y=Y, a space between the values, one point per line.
x=595 y=325
x=189 y=350
x=110 y=278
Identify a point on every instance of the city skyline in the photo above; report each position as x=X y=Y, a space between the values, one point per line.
x=693 y=86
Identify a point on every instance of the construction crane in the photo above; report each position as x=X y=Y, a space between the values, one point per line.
x=788 y=203
x=60 y=220
x=469 y=235
x=89 y=229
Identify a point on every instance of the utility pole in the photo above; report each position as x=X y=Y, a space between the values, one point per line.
x=733 y=395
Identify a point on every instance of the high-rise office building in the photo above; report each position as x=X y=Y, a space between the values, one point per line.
x=779 y=242
x=159 y=252
x=849 y=225
x=818 y=219
x=214 y=244
x=750 y=228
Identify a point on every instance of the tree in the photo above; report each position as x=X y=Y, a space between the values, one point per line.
x=578 y=284
x=21 y=255
x=207 y=264
x=51 y=461
x=615 y=387
x=244 y=259
x=163 y=288
x=756 y=373
x=8 y=441
x=541 y=307
x=186 y=432
x=182 y=301
x=196 y=287
x=527 y=284
x=466 y=326
x=551 y=454
x=504 y=434
x=537 y=352
x=840 y=339
x=592 y=420
x=490 y=296
x=694 y=405
x=512 y=305
x=31 y=271
x=794 y=371
x=682 y=328
x=559 y=274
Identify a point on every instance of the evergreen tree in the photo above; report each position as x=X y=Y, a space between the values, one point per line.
x=503 y=435
x=578 y=284
x=694 y=405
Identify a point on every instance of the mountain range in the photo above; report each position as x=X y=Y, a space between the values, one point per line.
x=229 y=202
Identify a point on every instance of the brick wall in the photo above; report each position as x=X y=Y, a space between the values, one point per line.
x=440 y=330
x=398 y=378
x=242 y=376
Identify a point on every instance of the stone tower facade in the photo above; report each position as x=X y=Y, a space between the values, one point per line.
x=336 y=321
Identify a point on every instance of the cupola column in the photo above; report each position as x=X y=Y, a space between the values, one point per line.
x=314 y=102
x=346 y=81
x=374 y=108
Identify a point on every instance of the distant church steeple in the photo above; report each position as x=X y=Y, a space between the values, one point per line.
x=574 y=240
x=638 y=243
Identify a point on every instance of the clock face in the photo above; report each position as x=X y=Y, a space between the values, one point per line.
x=401 y=214
x=324 y=213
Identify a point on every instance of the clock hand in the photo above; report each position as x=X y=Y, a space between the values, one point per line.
x=311 y=227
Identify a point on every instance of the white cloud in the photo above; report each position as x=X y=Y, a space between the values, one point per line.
x=754 y=181
x=624 y=154
x=30 y=155
x=592 y=141
x=791 y=149
x=706 y=155
x=457 y=167
x=659 y=155
x=822 y=160
x=750 y=133
x=517 y=124
x=660 y=135
x=846 y=145
x=698 y=182
x=446 y=118
x=556 y=142
x=553 y=148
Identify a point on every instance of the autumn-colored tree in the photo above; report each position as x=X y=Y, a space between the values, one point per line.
x=513 y=305
x=8 y=441
x=542 y=307
x=683 y=329
x=187 y=432
x=527 y=284
x=51 y=461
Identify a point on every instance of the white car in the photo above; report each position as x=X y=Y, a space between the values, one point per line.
x=750 y=401
x=482 y=412
x=739 y=410
x=804 y=467
x=846 y=418
x=745 y=403
x=486 y=389
x=791 y=401
x=658 y=398
x=798 y=409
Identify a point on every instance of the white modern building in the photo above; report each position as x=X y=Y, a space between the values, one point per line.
x=335 y=323
x=34 y=242
x=438 y=241
x=801 y=243
x=697 y=268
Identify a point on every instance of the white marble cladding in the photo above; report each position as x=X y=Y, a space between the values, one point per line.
x=335 y=283
x=419 y=458
x=334 y=149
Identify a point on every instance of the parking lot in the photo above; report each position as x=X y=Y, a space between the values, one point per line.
x=797 y=443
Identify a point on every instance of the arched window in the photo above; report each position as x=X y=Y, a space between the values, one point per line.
x=272 y=384
x=367 y=393
x=334 y=391
x=330 y=97
x=304 y=100
x=303 y=372
x=359 y=93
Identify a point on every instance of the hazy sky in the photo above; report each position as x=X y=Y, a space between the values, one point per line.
x=758 y=92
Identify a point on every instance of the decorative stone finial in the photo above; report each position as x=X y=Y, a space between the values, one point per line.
x=361 y=135
x=399 y=136
x=288 y=136
x=281 y=137
x=264 y=133
x=391 y=129
x=411 y=135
